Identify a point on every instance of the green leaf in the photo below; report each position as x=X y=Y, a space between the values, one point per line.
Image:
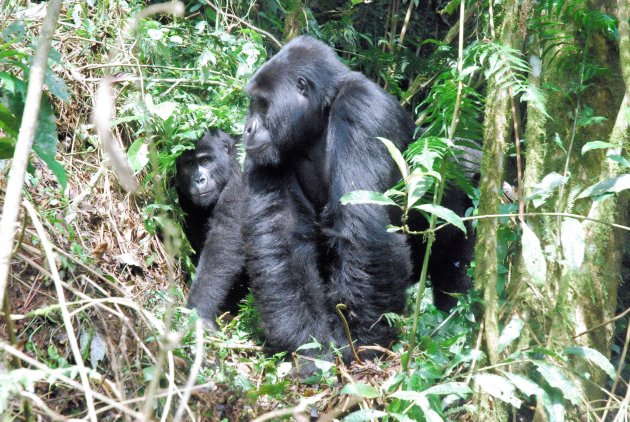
x=364 y=415
x=138 y=155
x=544 y=189
x=360 y=390
x=525 y=385
x=619 y=159
x=366 y=197
x=596 y=145
x=533 y=256
x=7 y=147
x=323 y=365
x=572 y=237
x=499 y=387
x=443 y=213
x=393 y=382
x=461 y=389
x=54 y=165
x=8 y=122
x=556 y=378
x=510 y=333
x=417 y=186
x=612 y=185
x=56 y=85
x=593 y=356
x=421 y=401
x=396 y=155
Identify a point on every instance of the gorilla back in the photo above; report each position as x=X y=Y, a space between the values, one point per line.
x=210 y=189
x=310 y=137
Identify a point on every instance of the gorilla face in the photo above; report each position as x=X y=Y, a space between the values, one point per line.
x=290 y=96
x=201 y=173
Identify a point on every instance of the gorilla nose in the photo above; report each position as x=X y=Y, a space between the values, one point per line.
x=251 y=128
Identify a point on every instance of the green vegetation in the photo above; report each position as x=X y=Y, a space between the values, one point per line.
x=93 y=324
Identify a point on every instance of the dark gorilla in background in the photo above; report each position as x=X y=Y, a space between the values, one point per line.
x=210 y=189
x=310 y=137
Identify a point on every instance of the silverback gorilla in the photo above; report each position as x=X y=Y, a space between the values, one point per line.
x=310 y=137
x=210 y=190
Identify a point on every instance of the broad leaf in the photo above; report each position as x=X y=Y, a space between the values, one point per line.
x=138 y=155
x=533 y=256
x=557 y=379
x=545 y=188
x=572 y=237
x=499 y=387
x=421 y=401
x=510 y=332
x=593 y=356
x=619 y=159
x=443 y=213
x=461 y=389
x=612 y=185
x=364 y=415
x=366 y=197
x=417 y=186
x=596 y=145
x=396 y=155
x=360 y=390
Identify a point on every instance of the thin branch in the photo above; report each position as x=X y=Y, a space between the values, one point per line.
x=194 y=370
x=65 y=314
x=247 y=24
x=24 y=144
x=58 y=374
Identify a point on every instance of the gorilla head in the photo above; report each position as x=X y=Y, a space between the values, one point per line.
x=290 y=97
x=203 y=172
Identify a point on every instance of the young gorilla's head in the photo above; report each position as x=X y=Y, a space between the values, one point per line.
x=203 y=172
x=290 y=96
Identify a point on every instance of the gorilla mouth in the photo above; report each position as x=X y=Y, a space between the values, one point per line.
x=256 y=148
x=205 y=193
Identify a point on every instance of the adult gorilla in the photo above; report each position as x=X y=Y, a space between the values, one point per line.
x=210 y=190
x=310 y=137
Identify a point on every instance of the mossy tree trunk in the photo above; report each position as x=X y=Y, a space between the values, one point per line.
x=583 y=81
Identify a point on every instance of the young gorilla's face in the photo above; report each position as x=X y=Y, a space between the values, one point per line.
x=203 y=172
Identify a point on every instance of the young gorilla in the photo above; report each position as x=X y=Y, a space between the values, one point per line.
x=310 y=137
x=210 y=189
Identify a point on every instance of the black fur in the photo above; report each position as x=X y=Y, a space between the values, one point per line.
x=210 y=189
x=310 y=137
x=453 y=249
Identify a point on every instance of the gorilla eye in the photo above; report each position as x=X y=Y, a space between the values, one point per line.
x=302 y=85
x=262 y=104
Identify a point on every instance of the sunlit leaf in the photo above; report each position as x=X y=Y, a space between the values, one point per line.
x=366 y=197
x=461 y=389
x=572 y=237
x=556 y=378
x=593 y=356
x=443 y=213
x=360 y=390
x=612 y=185
x=510 y=333
x=138 y=155
x=396 y=155
x=533 y=256
x=547 y=185
x=596 y=145
x=364 y=415
x=499 y=387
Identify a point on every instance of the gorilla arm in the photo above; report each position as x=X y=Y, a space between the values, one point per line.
x=220 y=281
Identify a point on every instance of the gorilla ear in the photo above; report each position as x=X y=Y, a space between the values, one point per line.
x=228 y=142
x=302 y=85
